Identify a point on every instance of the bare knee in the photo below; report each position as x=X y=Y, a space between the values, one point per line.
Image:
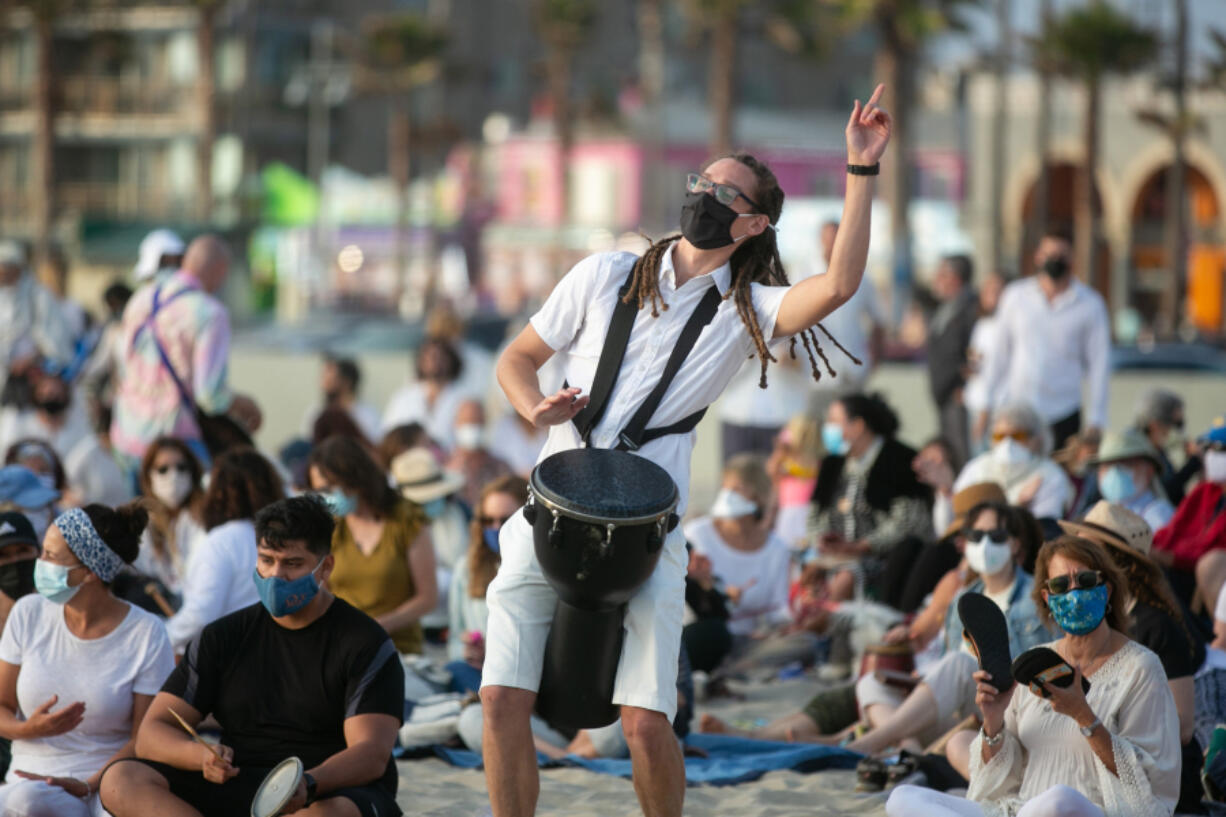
x=503 y=705
x=124 y=776
x=644 y=727
x=332 y=807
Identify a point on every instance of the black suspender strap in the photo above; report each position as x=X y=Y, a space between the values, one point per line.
x=611 y=355
x=636 y=433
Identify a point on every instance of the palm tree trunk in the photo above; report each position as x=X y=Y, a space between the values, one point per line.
x=651 y=77
x=398 y=147
x=1038 y=213
x=721 y=77
x=44 y=139
x=895 y=67
x=205 y=95
x=559 y=64
x=1086 y=220
x=999 y=120
x=1176 y=196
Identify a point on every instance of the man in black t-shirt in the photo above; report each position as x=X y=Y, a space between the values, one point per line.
x=300 y=674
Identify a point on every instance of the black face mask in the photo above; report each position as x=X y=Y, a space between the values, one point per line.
x=17 y=578
x=1055 y=268
x=52 y=407
x=332 y=397
x=706 y=223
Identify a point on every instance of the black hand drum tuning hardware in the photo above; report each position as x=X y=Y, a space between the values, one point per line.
x=599 y=520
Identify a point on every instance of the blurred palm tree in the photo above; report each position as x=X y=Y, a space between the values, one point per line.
x=397 y=54
x=721 y=20
x=563 y=26
x=1088 y=43
x=206 y=109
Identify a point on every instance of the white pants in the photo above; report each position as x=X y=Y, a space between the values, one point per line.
x=521 y=605
x=33 y=798
x=1058 y=801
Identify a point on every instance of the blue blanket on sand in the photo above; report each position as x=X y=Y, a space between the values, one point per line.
x=731 y=759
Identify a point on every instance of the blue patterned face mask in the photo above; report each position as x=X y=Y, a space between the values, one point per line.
x=1079 y=612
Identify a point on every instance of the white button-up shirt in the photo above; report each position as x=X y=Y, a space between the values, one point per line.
x=1046 y=349
x=574 y=320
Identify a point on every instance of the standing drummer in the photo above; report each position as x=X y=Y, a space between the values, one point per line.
x=727 y=241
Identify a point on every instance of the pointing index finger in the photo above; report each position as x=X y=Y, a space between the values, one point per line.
x=876 y=97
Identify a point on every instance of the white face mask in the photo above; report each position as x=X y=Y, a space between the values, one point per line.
x=1010 y=452
x=470 y=437
x=171 y=488
x=729 y=504
x=1215 y=466
x=987 y=557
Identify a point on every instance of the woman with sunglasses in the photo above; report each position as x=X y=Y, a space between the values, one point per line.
x=1018 y=461
x=170 y=478
x=994 y=539
x=466 y=607
x=1052 y=750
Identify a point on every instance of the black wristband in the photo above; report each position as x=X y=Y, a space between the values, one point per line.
x=864 y=170
x=309 y=780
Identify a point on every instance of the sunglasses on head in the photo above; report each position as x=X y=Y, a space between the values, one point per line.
x=996 y=535
x=725 y=194
x=1018 y=436
x=1081 y=580
x=492 y=521
x=181 y=467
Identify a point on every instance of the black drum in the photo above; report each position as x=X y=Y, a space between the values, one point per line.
x=599 y=519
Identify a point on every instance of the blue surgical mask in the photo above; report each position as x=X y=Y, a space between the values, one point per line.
x=832 y=439
x=1117 y=485
x=282 y=597
x=340 y=503
x=491 y=539
x=51 y=581
x=1079 y=612
x=434 y=508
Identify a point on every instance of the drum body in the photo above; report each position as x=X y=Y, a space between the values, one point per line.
x=599 y=519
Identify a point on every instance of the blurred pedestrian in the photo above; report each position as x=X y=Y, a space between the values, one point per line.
x=517 y=442
x=471 y=458
x=160 y=255
x=1054 y=338
x=1160 y=416
x=171 y=482
x=176 y=321
x=33 y=331
x=340 y=382
x=979 y=360
x=434 y=397
x=1127 y=475
x=949 y=338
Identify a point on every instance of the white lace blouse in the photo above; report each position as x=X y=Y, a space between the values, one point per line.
x=1042 y=748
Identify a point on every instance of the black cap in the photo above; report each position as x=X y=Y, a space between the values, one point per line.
x=15 y=529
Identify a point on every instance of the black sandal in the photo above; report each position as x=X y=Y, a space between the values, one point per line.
x=871 y=775
x=984 y=626
x=906 y=765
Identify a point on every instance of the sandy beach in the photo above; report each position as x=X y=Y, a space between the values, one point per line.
x=433 y=788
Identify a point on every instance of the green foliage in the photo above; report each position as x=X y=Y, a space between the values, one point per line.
x=813 y=27
x=1088 y=42
x=565 y=23
x=399 y=41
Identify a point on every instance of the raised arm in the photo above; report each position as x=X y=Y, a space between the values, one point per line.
x=868 y=133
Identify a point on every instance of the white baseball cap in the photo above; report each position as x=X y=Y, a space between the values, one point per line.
x=11 y=254
x=152 y=248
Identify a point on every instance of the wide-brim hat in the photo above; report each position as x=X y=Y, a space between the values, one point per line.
x=419 y=478
x=1116 y=528
x=22 y=487
x=968 y=498
x=1216 y=435
x=1126 y=445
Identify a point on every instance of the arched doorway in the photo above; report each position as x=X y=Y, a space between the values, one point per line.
x=1152 y=291
x=1061 y=201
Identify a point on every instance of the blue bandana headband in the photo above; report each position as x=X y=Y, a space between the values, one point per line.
x=85 y=543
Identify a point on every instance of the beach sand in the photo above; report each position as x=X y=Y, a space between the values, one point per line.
x=433 y=788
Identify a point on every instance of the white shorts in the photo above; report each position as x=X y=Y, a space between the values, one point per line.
x=521 y=605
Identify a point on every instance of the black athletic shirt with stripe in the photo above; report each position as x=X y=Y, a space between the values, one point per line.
x=278 y=692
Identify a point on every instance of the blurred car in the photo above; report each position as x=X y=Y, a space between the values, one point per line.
x=1187 y=357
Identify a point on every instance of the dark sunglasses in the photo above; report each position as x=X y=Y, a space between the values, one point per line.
x=996 y=534
x=1081 y=580
x=492 y=521
x=166 y=469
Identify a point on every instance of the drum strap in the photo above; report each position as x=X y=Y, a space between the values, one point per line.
x=636 y=434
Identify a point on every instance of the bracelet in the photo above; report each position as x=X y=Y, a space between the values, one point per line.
x=864 y=170
x=992 y=741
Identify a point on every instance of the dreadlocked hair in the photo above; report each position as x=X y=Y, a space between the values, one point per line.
x=756 y=261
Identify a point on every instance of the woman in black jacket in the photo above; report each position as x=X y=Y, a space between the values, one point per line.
x=868 y=504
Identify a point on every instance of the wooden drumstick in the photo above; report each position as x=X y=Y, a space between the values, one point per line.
x=151 y=590
x=196 y=737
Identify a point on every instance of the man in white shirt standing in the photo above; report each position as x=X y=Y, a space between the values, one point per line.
x=727 y=244
x=1053 y=337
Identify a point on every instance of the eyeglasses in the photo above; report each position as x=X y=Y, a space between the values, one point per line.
x=181 y=467
x=996 y=535
x=724 y=193
x=1081 y=580
x=1022 y=437
x=492 y=521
